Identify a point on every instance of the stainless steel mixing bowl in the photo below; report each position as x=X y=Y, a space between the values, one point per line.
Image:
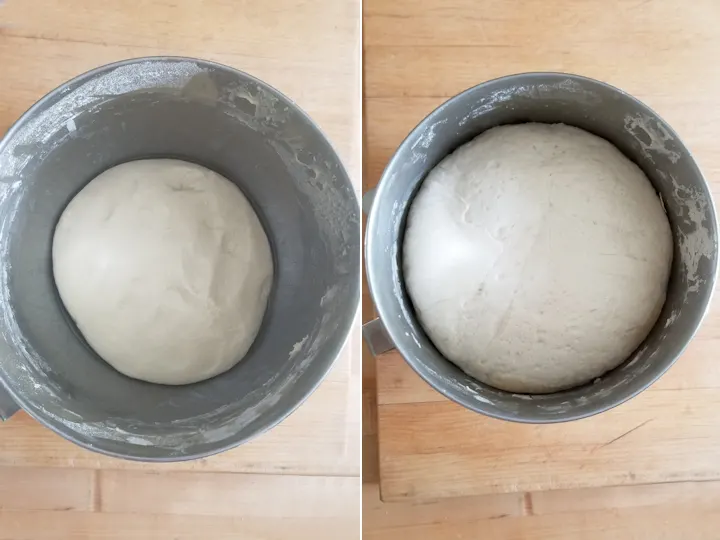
x=600 y=109
x=243 y=129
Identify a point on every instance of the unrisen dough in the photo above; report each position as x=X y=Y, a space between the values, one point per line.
x=537 y=257
x=165 y=268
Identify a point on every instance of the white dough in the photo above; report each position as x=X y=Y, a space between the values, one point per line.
x=537 y=257
x=165 y=268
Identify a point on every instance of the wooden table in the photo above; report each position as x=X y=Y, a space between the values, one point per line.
x=301 y=480
x=417 y=54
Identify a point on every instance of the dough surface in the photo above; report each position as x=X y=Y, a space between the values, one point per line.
x=165 y=268
x=537 y=257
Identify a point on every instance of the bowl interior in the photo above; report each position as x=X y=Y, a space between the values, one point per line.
x=600 y=109
x=246 y=131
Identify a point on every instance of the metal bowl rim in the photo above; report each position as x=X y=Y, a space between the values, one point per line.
x=394 y=335
x=344 y=329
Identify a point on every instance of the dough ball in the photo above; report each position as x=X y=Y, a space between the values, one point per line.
x=165 y=268
x=537 y=257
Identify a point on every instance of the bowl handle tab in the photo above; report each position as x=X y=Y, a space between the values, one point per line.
x=376 y=337
x=367 y=201
x=8 y=407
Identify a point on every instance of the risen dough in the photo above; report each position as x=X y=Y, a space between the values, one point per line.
x=537 y=257
x=165 y=268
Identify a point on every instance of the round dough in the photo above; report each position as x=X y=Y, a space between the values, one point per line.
x=165 y=268
x=537 y=257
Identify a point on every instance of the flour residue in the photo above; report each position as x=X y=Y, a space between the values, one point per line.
x=330 y=293
x=34 y=140
x=25 y=143
x=296 y=347
x=493 y=99
x=324 y=182
x=398 y=212
x=539 y=91
x=672 y=318
x=424 y=140
x=32 y=373
x=637 y=355
x=256 y=106
x=694 y=237
x=652 y=137
x=321 y=178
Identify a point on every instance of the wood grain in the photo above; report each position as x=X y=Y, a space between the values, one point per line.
x=79 y=504
x=419 y=53
x=301 y=479
x=46 y=489
x=224 y=494
x=660 y=436
x=40 y=525
x=542 y=26
x=680 y=514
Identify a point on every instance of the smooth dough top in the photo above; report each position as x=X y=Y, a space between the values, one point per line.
x=165 y=268
x=537 y=257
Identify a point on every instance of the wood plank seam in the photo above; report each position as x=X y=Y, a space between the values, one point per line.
x=97 y=492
